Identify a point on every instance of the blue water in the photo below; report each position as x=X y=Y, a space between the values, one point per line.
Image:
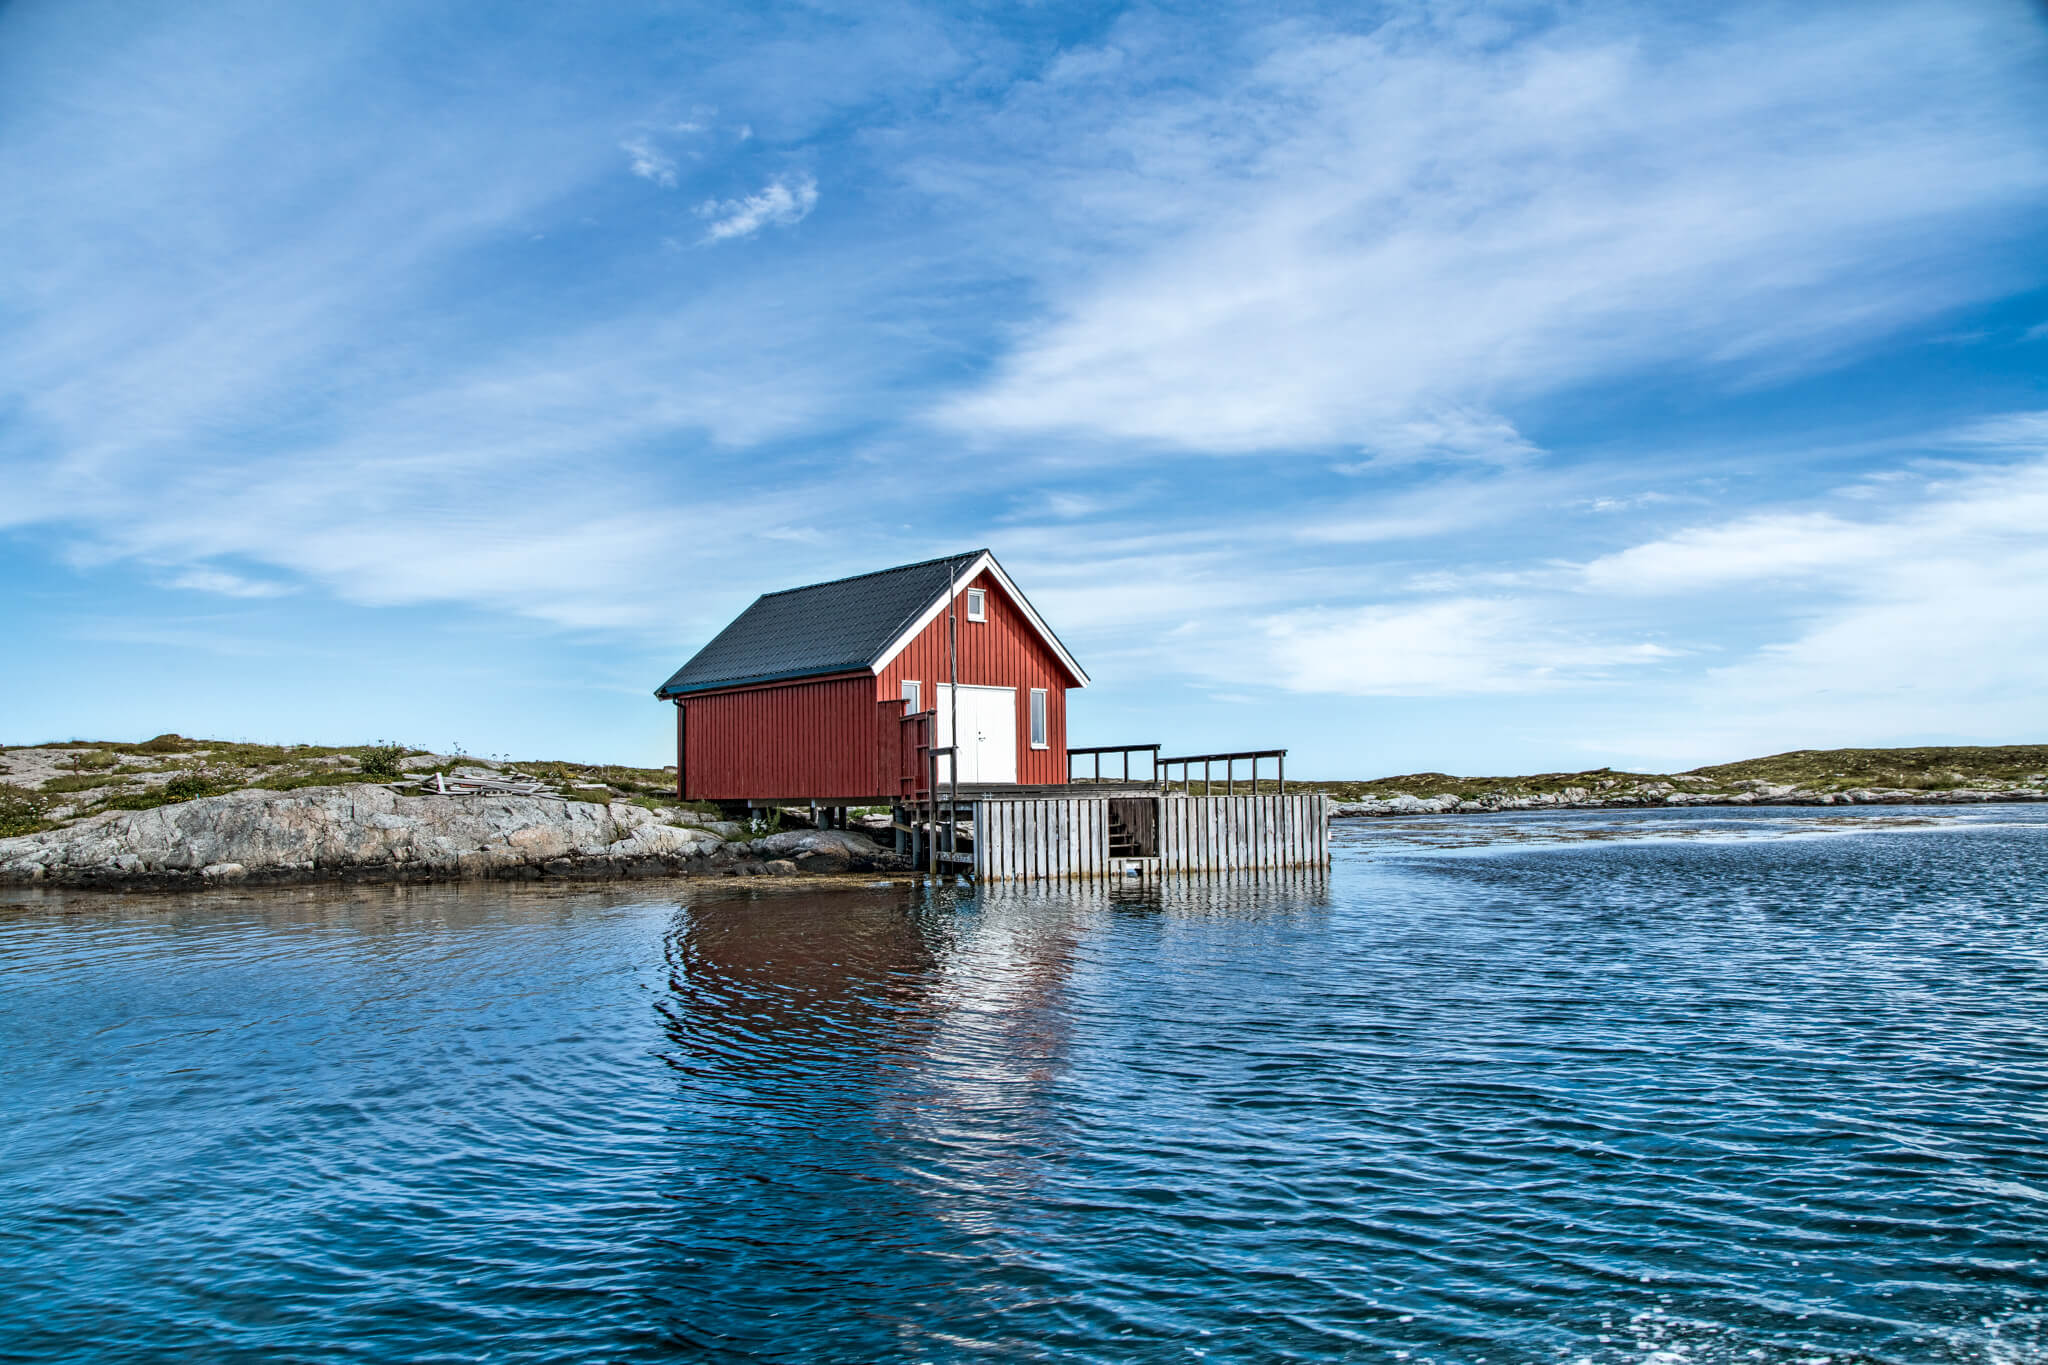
x=1668 y=1086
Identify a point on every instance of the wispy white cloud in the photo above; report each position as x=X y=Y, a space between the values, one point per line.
x=1991 y=516
x=1067 y=506
x=1915 y=603
x=1770 y=547
x=1454 y=434
x=1625 y=502
x=783 y=202
x=1460 y=503
x=649 y=162
x=2017 y=432
x=372 y=368
x=227 y=584
x=1442 y=648
x=1923 y=612
x=1360 y=232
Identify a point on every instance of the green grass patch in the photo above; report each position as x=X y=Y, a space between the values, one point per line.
x=162 y=744
x=553 y=771
x=654 y=782
x=21 y=811
x=291 y=782
x=1942 y=768
x=187 y=786
x=148 y=800
x=382 y=762
x=79 y=782
x=252 y=755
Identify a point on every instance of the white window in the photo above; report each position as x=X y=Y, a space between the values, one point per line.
x=1038 y=718
x=977 y=604
x=913 y=697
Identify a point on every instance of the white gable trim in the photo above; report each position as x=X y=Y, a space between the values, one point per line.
x=985 y=562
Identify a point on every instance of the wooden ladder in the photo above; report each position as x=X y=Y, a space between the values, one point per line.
x=1121 y=844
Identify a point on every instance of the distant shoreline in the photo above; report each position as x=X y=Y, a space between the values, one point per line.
x=1936 y=776
x=1452 y=805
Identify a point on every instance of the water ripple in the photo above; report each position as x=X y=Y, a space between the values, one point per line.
x=1605 y=1087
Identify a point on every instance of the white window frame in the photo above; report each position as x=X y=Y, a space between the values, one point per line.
x=1041 y=719
x=977 y=604
x=913 y=694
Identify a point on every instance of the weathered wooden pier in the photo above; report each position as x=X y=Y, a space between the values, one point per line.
x=1033 y=838
x=1118 y=827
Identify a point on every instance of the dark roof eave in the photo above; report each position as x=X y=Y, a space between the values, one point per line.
x=668 y=692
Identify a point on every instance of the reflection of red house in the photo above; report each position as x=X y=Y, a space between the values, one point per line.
x=804 y=696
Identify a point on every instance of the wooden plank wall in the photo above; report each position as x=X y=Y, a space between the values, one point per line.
x=1232 y=833
x=1036 y=839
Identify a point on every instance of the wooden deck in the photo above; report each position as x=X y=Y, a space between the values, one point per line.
x=1082 y=832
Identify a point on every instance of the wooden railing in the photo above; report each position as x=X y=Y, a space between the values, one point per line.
x=1097 y=751
x=1186 y=763
x=913 y=755
x=932 y=841
x=1161 y=777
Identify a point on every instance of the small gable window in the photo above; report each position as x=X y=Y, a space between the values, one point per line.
x=977 y=604
x=913 y=697
x=1038 y=718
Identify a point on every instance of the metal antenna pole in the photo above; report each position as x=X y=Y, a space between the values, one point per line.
x=953 y=663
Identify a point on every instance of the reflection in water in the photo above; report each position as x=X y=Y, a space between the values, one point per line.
x=790 y=990
x=930 y=1037
x=891 y=1077
x=1665 y=1087
x=979 y=1100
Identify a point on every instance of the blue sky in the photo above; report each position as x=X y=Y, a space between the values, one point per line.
x=1485 y=388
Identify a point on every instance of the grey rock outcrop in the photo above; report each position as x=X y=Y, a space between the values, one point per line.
x=361 y=832
x=826 y=850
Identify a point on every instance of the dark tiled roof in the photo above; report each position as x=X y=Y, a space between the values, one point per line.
x=831 y=627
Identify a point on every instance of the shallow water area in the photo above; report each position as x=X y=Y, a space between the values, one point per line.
x=1705 y=1085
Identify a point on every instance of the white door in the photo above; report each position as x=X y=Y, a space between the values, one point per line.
x=994 y=733
x=988 y=732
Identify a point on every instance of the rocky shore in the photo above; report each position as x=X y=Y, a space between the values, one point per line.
x=1666 y=794
x=371 y=833
x=172 y=812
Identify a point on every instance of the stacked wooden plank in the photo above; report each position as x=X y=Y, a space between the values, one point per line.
x=441 y=784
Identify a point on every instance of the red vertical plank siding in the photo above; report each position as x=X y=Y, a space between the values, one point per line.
x=1003 y=651
x=796 y=741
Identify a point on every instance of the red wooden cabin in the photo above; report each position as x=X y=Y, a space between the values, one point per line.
x=829 y=693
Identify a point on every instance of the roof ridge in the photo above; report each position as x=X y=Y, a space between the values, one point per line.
x=877 y=573
x=842 y=624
